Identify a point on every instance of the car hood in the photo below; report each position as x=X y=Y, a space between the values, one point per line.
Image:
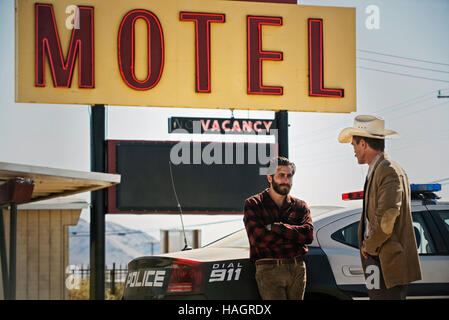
x=210 y=254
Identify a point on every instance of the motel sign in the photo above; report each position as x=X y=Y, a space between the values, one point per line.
x=187 y=53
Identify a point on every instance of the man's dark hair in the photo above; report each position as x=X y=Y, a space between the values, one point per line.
x=281 y=161
x=376 y=144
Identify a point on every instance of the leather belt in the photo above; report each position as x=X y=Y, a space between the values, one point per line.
x=280 y=261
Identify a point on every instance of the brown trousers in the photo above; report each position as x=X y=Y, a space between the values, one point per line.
x=375 y=282
x=281 y=282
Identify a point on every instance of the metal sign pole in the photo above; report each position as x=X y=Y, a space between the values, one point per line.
x=3 y=257
x=97 y=210
x=282 y=125
x=12 y=250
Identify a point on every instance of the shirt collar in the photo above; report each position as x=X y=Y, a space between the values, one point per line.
x=373 y=163
x=287 y=201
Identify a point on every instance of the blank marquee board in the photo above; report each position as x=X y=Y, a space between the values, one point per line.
x=217 y=188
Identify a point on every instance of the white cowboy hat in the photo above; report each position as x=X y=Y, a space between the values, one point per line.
x=366 y=126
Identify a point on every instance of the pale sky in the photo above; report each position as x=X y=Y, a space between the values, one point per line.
x=400 y=68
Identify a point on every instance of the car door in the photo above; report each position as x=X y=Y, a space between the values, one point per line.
x=433 y=226
x=433 y=256
x=339 y=241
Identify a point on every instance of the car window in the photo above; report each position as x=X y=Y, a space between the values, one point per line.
x=424 y=240
x=444 y=215
x=349 y=235
x=317 y=211
x=238 y=239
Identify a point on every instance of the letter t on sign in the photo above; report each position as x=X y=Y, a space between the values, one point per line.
x=202 y=42
x=316 y=68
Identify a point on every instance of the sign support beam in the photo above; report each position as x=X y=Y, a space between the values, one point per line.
x=98 y=208
x=281 y=118
x=3 y=257
x=12 y=250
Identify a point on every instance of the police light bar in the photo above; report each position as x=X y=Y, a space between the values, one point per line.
x=426 y=187
x=352 y=195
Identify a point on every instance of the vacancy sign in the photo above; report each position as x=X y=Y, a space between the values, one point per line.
x=186 y=53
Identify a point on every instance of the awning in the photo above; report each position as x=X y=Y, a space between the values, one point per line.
x=51 y=182
x=22 y=184
x=65 y=203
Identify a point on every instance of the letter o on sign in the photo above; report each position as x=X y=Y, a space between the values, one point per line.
x=155 y=49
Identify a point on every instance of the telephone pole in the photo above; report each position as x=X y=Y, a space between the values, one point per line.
x=439 y=96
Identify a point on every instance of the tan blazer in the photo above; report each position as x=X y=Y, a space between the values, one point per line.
x=391 y=234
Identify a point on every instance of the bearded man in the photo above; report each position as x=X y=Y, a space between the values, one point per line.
x=279 y=227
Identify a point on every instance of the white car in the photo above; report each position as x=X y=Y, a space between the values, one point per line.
x=222 y=269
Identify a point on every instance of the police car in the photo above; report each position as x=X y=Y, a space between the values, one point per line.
x=222 y=269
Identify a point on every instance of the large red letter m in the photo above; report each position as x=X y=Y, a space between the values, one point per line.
x=48 y=44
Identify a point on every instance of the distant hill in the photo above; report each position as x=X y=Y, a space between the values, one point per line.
x=122 y=244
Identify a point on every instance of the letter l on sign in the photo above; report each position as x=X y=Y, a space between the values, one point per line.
x=316 y=68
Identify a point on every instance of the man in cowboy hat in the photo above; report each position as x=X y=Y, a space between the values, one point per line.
x=386 y=236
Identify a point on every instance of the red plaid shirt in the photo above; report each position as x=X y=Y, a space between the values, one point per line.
x=291 y=230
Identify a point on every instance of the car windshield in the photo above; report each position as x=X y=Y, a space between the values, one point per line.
x=239 y=239
x=316 y=211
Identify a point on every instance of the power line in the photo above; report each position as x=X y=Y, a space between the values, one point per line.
x=441 y=180
x=403 y=74
x=423 y=109
x=416 y=143
x=402 y=65
x=337 y=156
x=390 y=108
x=402 y=57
